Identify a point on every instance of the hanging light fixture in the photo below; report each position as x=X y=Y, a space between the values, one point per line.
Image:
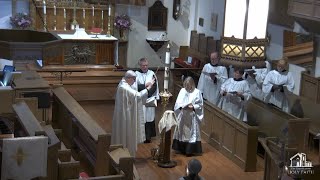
x=244 y=37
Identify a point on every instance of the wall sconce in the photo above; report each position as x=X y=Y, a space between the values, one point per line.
x=176 y=9
x=244 y=39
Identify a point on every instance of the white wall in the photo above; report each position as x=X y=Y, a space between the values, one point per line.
x=5 y=14
x=177 y=32
x=205 y=9
x=275 y=49
x=6 y=11
x=296 y=73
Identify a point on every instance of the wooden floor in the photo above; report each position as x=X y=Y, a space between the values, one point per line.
x=214 y=165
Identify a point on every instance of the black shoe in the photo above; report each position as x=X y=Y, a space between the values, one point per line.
x=147 y=141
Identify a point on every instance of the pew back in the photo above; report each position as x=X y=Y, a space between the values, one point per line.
x=81 y=130
x=233 y=138
x=273 y=122
x=32 y=127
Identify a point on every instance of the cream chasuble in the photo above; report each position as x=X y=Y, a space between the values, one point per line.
x=128 y=119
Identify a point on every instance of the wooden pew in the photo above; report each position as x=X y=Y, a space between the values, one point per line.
x=81 y=130
x=32 y=127
x=233 y=138
x=89 y=85
x=273 y=122
x=7 y=99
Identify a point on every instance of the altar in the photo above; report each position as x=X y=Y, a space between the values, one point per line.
x=83 y=48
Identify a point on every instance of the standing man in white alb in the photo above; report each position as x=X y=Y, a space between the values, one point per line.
x=235 y=95
x=128 y=119
x=211 y=78
x=144 y=78
x=255 y=78
x=275 y=83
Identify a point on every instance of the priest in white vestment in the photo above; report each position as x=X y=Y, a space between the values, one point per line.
x=128 y=124
x=189 y=112
x=255 y=78
x=211 y=78
x=235 y=95
x=144 y=78
x=275 y=85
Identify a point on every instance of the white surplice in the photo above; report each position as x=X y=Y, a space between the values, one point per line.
x=187 y=132
x=255 y=84
x=211 y=90
x=143 y=78
x=277 y=97
x=232 y=103
x=128 y=124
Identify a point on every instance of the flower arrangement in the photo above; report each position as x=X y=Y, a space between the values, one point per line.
x=21 y=21
x=122 y=22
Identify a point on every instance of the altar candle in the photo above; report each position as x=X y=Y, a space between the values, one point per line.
x=166 y=78
x=44 y=7
x=102 y=14
x=54 y=10
x=166 y=69
x=84 y=13
x=92 y=10
x=109 y=11
x=64 y=13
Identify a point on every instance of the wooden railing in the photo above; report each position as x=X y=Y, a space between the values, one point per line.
x=81 y=130
x=111 y=162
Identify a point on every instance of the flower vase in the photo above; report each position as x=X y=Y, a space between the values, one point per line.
x=122 y=35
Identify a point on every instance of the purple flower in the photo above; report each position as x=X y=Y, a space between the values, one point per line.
x=21 y=21
x=122 y=22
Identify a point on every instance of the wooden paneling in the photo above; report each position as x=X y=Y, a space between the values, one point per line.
x=194 y=40
x=305 y=9
x=104 y=53
x=233 y=138
x=203 y=43
x=132 y=2
x=83 y=15
x=310 y=87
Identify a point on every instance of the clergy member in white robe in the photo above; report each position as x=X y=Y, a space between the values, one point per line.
x=275 y=83
x=255 y=78
x=128 y=124
x=189 y=112
x=144 y=77
x=211 y=78
x=235 y=95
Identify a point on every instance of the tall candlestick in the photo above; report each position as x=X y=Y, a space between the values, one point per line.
x=44 y=7
x=64 y=13
x=109 y=10
x=92 y=10
x=84 y=13
x=54 y=10
x=166 y=69
x=102 y=15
